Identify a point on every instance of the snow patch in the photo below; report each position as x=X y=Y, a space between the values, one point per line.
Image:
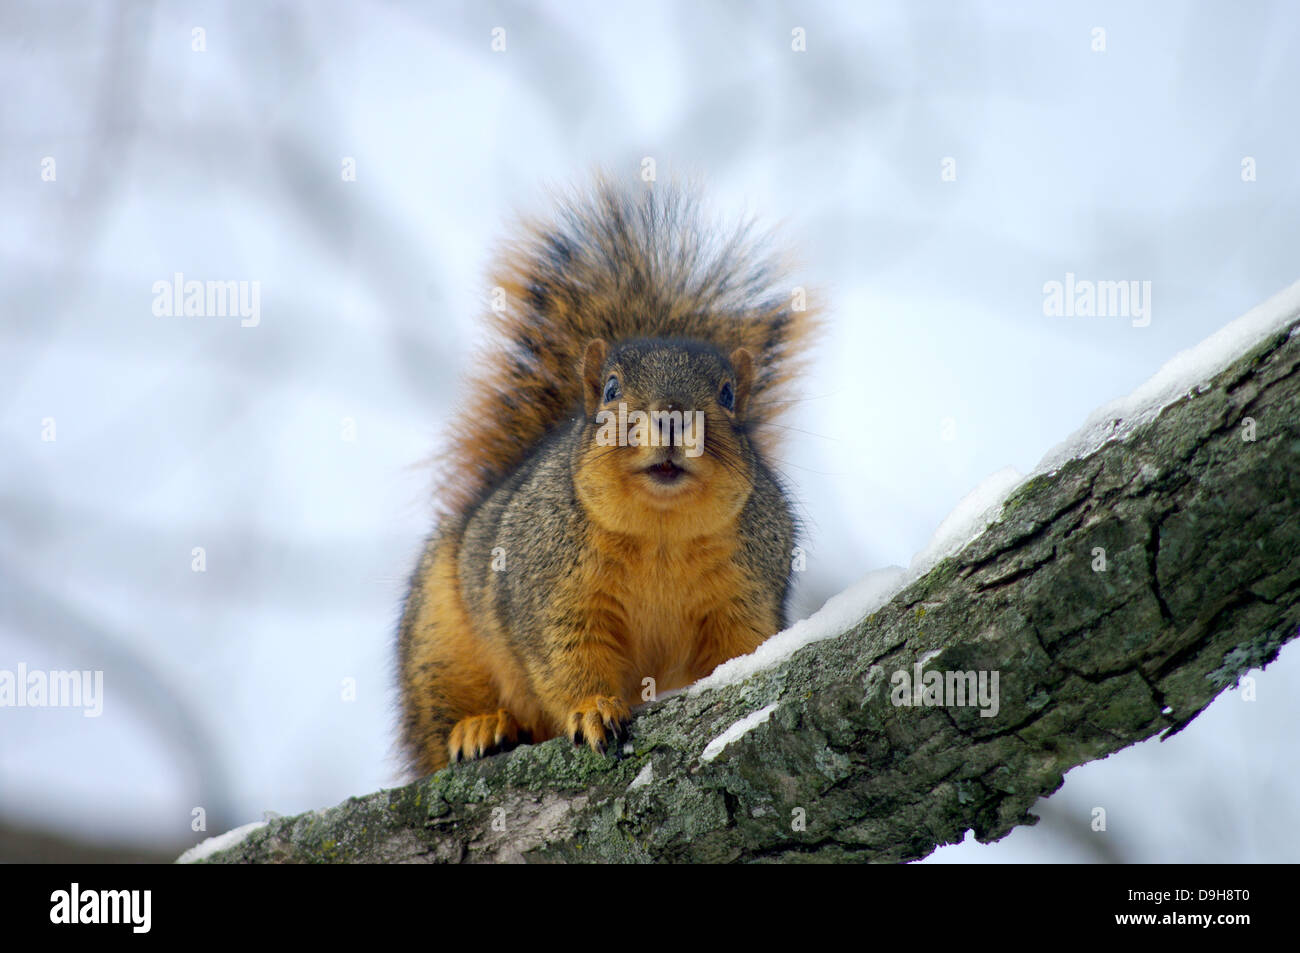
x=972 y=516
x=1186 y=371
x=845 y=610
x=644 y=777
x=210 y=846
x=740 y=728
x=841 y=612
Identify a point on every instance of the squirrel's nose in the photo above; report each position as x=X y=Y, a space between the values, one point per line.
x=668 y=423
x=672 y=401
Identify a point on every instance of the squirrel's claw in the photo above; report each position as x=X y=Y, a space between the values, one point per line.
x=600 y=720
x=481 y=735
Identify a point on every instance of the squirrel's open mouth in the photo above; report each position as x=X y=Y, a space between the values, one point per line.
x=665 y=472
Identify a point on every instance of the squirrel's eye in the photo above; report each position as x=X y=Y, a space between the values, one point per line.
x=612 y=389
x=727 y=397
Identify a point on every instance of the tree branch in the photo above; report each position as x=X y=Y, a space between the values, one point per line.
x=1201 y=536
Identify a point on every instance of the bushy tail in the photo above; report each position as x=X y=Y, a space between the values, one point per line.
x=616 y=263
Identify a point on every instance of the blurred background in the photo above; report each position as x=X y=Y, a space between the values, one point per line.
x=221 y=518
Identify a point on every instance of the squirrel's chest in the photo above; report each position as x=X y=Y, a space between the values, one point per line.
x=660 y=596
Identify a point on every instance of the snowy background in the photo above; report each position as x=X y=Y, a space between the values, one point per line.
x=225 y=689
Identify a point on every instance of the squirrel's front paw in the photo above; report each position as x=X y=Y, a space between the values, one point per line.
x=482 y=735
x=599 y=720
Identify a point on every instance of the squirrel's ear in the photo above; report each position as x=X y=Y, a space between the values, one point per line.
x=593 y=379
x=743 y=364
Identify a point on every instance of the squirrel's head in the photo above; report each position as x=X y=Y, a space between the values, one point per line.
x=666 y=435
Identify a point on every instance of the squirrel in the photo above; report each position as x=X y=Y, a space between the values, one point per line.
x=577 y=557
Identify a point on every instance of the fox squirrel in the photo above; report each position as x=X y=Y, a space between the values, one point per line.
x=578 y=556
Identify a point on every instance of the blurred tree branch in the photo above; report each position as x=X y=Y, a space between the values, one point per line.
x=23 y=844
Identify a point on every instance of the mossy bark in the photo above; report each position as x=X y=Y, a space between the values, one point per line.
x=1200 y=528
